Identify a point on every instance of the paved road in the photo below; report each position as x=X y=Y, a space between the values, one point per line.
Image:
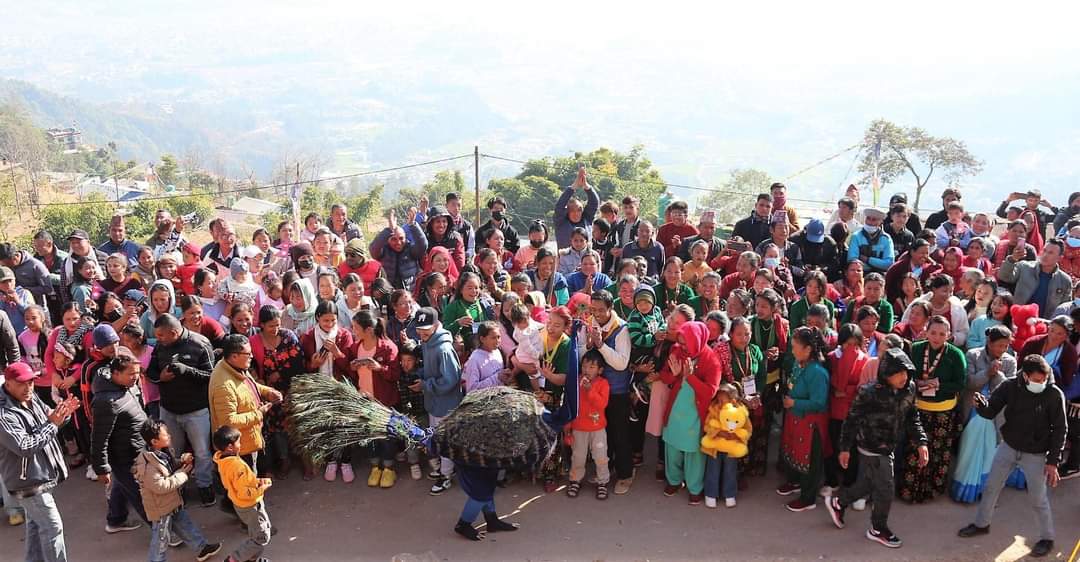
x=333 y=521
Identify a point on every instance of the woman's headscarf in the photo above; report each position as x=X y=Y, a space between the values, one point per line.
x=1034 y=237
x=957 y=273
x=451 y=273
x=299 y=250
x=695 y=337
x=310 y=302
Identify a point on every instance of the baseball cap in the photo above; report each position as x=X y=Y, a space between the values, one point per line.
x=78 y=234
x=815 y=231
x=425 y=318
x=6 y=273
x=872 y=212
x=134 y=295
x=193 y=248
x=104 y=335
x=19 y=372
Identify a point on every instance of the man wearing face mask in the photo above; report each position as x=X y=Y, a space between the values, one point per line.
x=1033 y=437
x=779 y=203
x=570 y=214
x=755 y=228
x=499 y=220
x=870 y=244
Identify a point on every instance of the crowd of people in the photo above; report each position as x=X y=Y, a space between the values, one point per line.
x=890 y=356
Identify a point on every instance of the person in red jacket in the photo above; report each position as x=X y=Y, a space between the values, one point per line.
x=671 y=234
x=846 y=365
x=691 y=361
x=589 y=428
x=374 y=358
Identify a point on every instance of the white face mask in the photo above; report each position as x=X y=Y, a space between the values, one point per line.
x=772 y=262
x=1036 y=387
x=871 y=229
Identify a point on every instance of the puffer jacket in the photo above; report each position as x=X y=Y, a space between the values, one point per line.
x=441 y=375
x=30 y=455
x=118 y=416
x=402 y=267
x=1034 y=423
x=880 y=414
x=159 y=483
x=234 y=400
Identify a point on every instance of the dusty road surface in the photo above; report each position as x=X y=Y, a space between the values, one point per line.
x=319 y=520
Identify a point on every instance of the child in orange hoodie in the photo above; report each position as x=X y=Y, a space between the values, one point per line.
x=589 y=428
x=245 y=491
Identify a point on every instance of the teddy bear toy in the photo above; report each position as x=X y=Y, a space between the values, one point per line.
x=728 y=419
x=1028 y=324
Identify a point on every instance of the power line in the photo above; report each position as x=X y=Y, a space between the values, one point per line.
x=276 y=185
x=665 y=184
x=822 y=161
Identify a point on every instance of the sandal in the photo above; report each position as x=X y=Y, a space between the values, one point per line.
x=573 y=489
x=601 y=491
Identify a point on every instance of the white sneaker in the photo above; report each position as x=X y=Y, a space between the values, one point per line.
x=729 y=502
x=859 y=504
x=710 y=502
x=90 y=475
x=331 y=472
x=827 y=491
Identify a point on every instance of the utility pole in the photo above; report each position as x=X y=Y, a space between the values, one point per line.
x=476 y=176
x=15 y=188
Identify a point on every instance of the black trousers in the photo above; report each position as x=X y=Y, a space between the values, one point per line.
x=620 y=448
x=835 y=475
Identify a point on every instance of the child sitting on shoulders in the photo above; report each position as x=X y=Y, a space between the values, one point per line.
x=589 y=433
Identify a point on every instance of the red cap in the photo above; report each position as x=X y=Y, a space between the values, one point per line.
x=19 y=371
x=192 y=248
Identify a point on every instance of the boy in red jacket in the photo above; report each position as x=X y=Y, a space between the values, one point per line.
x=589 y=432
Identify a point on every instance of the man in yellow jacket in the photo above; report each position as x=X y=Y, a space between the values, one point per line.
x=237 y=400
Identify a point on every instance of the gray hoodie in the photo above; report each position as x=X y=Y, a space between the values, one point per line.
x=441 y=374
x=150 y=316
x=29 y=452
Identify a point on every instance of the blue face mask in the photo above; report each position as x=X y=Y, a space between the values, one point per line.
x=1072 y=242
x=871 y=229
x=772 y=262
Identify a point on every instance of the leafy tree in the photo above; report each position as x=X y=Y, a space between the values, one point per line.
x=166 y=169
x=911 y=150
x=91 y=214
x=140 y=215
x=614 y=175
x=435 y=190
x=737 y=195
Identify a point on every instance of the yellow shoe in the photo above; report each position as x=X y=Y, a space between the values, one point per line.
x=16 y=519
x=373 y=478
x=388 y=478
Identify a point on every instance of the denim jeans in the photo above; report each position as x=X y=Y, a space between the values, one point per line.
x=193 y=428
x=474 y=507
x=179 y=523
x=382 y=452
x=721 y=476
x=44 y=529
x=1005 y=460
x=123 y=494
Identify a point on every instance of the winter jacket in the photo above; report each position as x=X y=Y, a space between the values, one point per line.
x=349 y=231
x=146 y=321
x=1034 y=423
x=570 y=260
x=159 y=483
x=30 y=454
x=894 y=277
x=510 y=236
x=822 y=257
x=880 y=415
x=33 y=276
x=191 y=359
x=115 y=440
x=9 y=342
x=1025 y=275
x=877 y=254
x=752 y=229
x=401 y=267
x=563 y=226
x=441 y=375
x=592 y=403
x=241 y=485
x=234 y=400
x=654 y=256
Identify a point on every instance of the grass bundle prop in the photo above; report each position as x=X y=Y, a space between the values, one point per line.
x=327 y=416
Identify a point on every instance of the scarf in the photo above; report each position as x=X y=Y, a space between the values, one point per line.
x=308 y=292
x=327 y=368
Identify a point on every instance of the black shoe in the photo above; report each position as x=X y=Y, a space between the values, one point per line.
x=836 y=511
x=885 y=537
x=494 y=524
x=1067 y=472
x=468 y=531
x=207 y=551
x=1042 y=548
x=206 y=496
x=973 y=531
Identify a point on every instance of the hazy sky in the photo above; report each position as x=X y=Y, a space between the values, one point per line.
x=792 y=81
